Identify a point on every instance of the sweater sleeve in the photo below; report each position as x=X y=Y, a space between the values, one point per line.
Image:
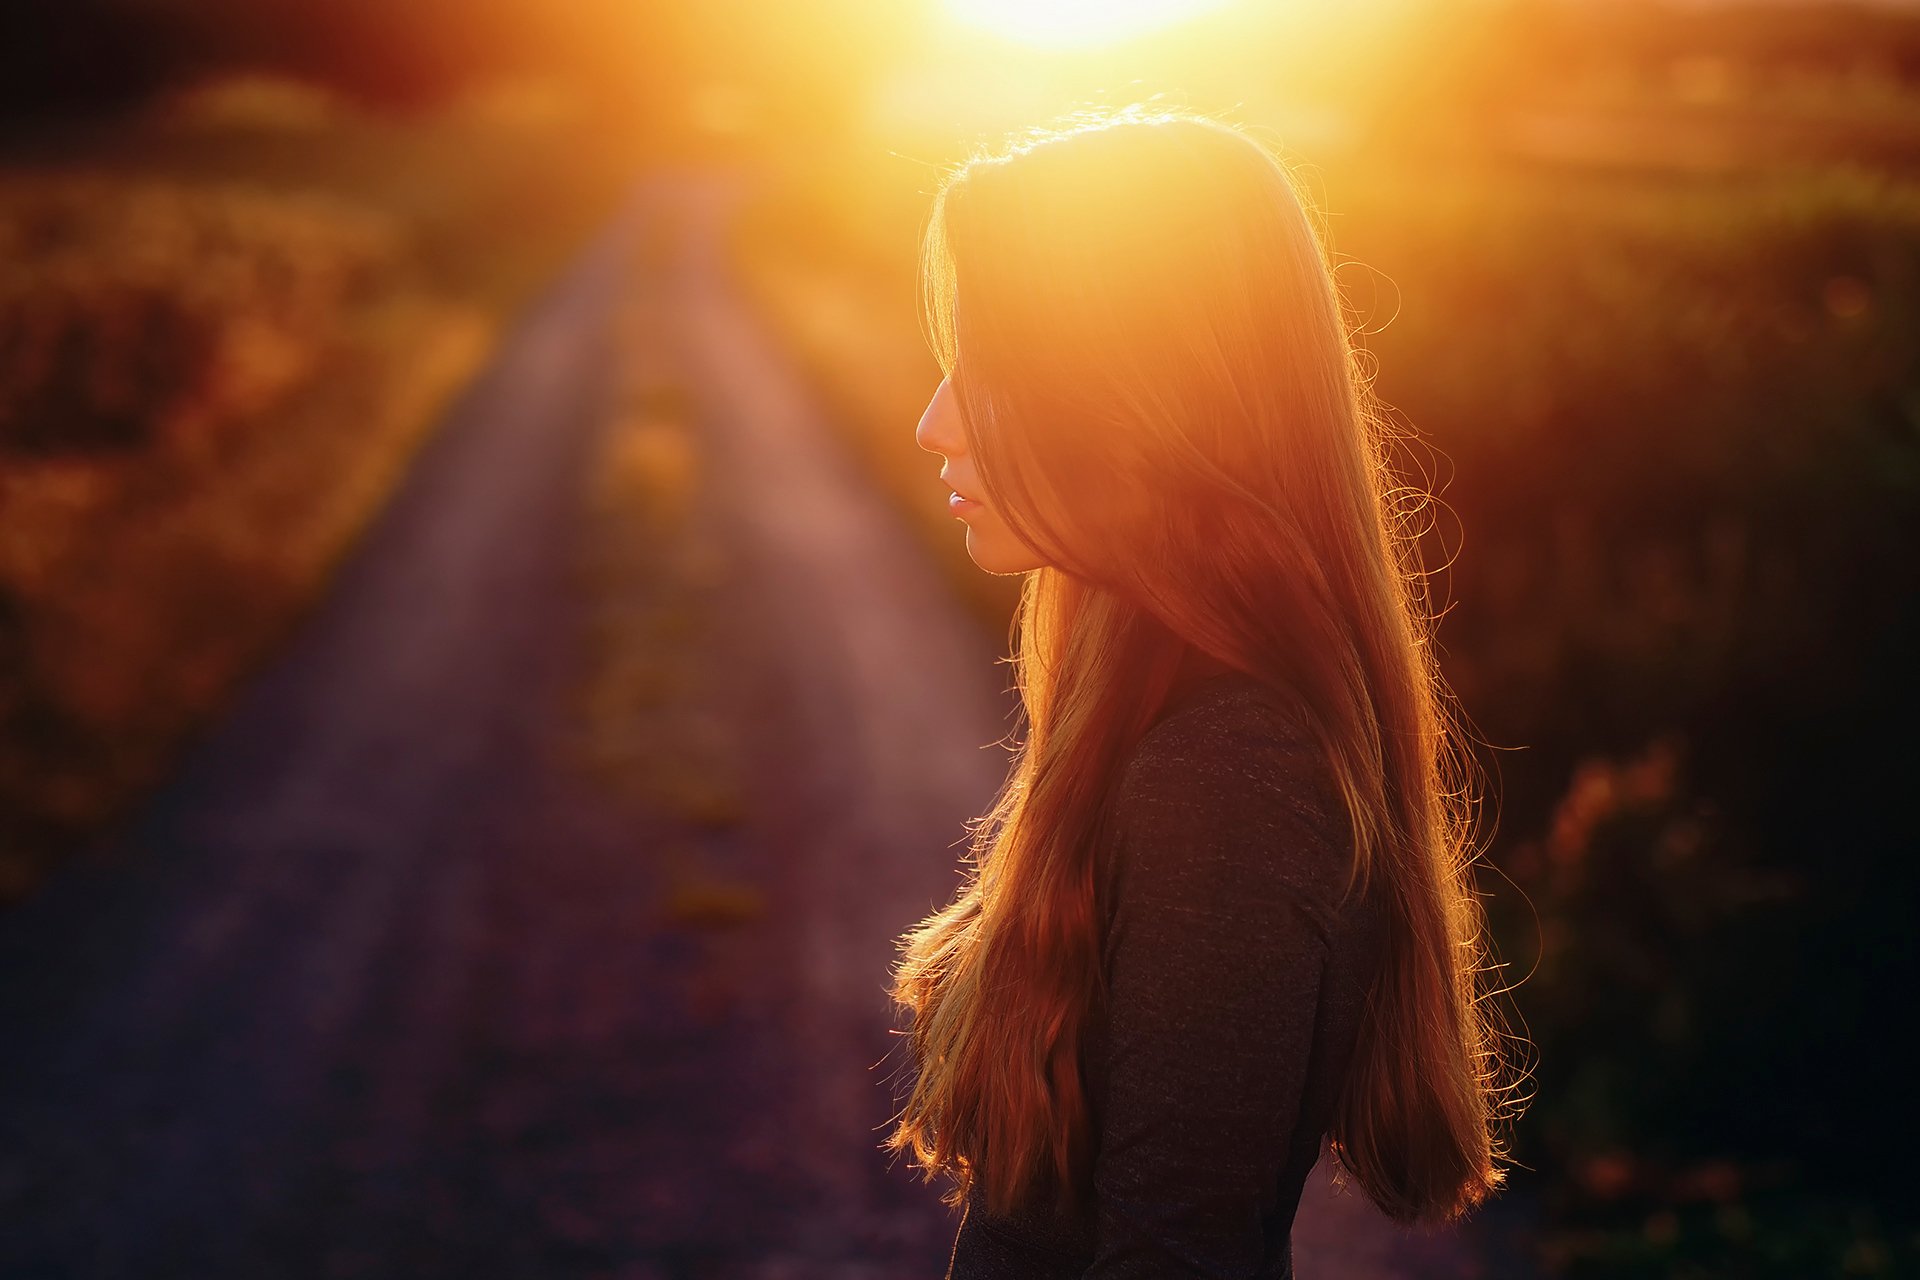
x=1215 y=957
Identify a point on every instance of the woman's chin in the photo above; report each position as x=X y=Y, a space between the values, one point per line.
x=991 y=556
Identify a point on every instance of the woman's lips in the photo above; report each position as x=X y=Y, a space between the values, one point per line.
x=959 y=503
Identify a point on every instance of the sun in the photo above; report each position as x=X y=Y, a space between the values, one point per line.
x=1064 y=23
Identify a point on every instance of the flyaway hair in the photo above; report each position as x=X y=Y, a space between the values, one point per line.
x=1141 y=325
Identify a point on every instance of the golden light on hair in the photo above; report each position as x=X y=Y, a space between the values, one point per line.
x=1138 y=318
x=1065 y=23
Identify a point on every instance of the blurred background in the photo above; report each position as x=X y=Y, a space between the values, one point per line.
x=368 y=369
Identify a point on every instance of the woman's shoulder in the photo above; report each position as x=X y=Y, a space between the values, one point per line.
x=1230 y=787
x=1225 y=727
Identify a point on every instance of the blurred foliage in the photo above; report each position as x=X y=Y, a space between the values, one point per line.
x=1673 y=418
x=144 y=312
x=649 y=70
x=229 y=325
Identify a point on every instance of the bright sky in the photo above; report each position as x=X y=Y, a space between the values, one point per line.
x=1062 y=23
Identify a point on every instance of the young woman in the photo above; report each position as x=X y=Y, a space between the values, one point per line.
x=1221 y=912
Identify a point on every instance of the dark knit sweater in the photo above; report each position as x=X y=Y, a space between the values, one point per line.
x=1236 y=980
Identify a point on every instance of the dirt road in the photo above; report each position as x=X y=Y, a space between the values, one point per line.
x=381 y=985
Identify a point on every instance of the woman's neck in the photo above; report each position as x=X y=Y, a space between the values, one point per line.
x=1196 y=666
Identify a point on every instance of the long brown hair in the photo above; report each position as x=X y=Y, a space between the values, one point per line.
x=1141 y=325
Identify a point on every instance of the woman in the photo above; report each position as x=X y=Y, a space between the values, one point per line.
x=1221 y=912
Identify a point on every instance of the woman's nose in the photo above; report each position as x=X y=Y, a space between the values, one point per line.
x=936 y=432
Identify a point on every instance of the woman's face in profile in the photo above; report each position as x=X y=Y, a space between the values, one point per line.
x=992 y=545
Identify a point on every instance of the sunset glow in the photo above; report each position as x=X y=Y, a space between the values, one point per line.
x=1063 y=23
